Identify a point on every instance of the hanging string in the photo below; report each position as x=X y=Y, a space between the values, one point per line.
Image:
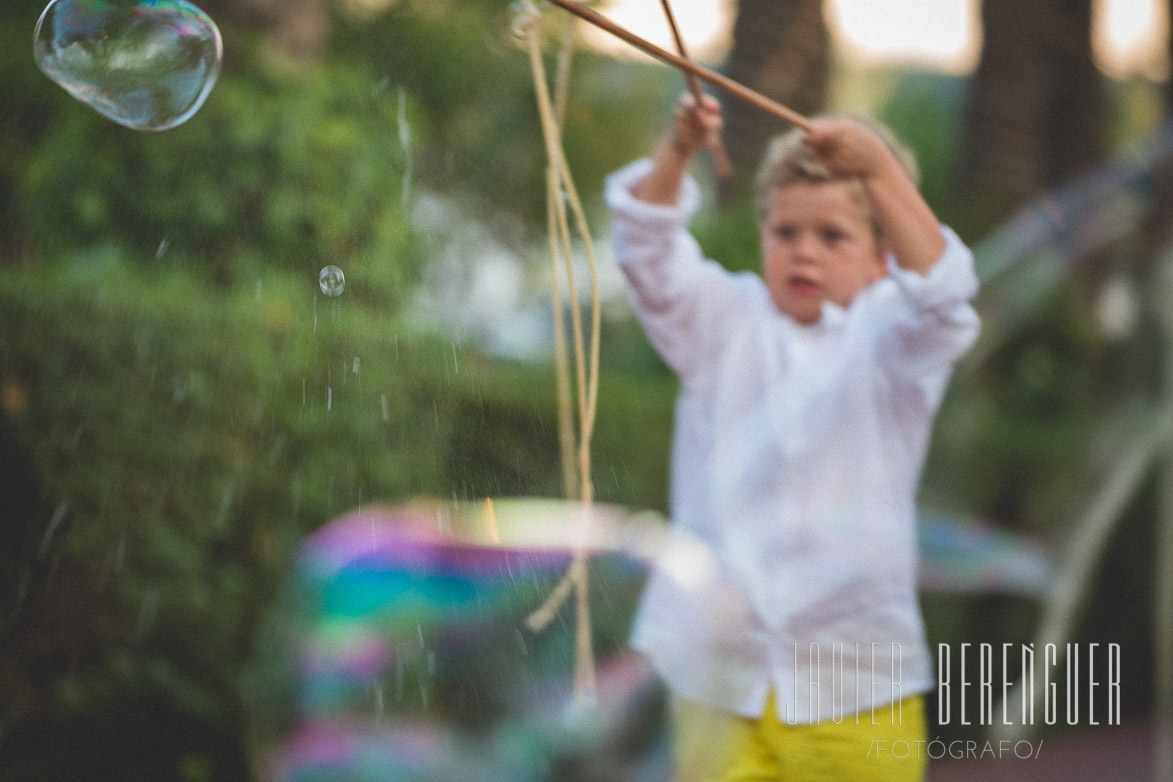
x=566 y=445
x=562 y=78
x=561 y=194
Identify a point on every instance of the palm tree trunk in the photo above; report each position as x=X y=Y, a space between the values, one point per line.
x=1035 y=111
x=779 y=49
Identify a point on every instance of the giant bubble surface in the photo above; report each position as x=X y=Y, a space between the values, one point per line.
x=145 y=64
x=398 y=650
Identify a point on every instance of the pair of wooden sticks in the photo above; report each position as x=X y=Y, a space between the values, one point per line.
x=720 y=157
x=692 y=71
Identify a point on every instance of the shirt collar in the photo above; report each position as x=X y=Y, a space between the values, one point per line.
x=832 y=315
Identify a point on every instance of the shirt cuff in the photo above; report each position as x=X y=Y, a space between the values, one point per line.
x=951 y=279
x=617 y=193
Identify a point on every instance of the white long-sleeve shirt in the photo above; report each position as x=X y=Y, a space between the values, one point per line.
x=797 y=452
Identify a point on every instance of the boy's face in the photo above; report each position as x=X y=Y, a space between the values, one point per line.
x=818 y=245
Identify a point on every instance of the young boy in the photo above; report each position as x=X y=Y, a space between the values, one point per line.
x=806 y=401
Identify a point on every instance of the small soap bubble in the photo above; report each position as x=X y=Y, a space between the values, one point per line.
x=145 y=64
x=332 y=281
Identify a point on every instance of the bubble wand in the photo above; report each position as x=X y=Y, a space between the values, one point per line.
x=735 y=89
x=720 y=158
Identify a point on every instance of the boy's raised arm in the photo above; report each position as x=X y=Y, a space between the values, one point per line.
x=693 y=129
x=911 y=230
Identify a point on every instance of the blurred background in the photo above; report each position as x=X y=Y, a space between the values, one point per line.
x=180 y=404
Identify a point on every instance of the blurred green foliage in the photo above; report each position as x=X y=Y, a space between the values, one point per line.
x=28 y=110
x=190 y=435
x=278 y=170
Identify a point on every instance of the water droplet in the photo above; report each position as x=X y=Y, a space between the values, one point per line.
x=148 y=65
x=54 y=523
x=332 y=281
x=405 y=144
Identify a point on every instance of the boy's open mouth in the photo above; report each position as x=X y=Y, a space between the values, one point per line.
x=802 y=286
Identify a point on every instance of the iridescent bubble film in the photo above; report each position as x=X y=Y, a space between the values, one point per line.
x=398 y=652
x=146 y=64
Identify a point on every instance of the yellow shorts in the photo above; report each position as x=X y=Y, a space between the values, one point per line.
x=717 y=746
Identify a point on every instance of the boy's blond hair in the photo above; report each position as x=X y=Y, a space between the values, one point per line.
x=788 y=160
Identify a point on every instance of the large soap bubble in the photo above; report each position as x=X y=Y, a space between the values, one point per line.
x=398 y=651
x=146 y=64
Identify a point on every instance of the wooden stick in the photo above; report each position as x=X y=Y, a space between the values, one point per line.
x=693 y=82
x=720 y=157
x=735 y=89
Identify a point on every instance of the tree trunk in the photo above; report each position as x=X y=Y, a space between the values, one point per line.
x=779 y=49
x=1169 y=53
x=1035 y=112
